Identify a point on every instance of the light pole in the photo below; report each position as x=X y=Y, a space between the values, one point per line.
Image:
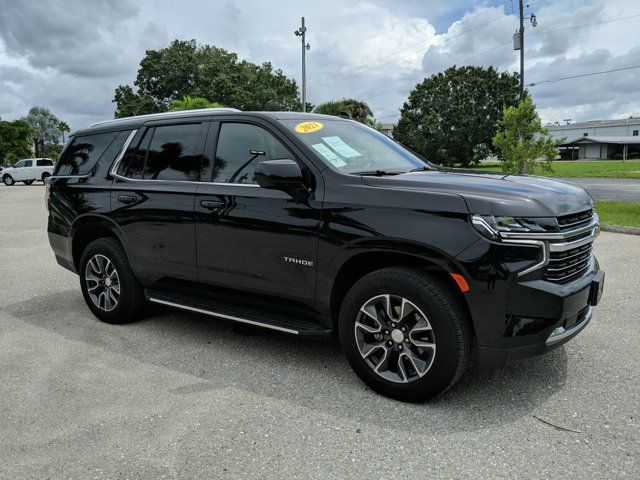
x=301 y=32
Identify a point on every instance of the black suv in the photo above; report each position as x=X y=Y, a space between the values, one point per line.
x=310 y=224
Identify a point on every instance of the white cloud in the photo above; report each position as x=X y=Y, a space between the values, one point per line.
x=70 y=55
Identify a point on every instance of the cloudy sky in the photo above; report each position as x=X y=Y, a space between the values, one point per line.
x=70 y=55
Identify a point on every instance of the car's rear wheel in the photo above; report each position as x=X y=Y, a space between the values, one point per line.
x=45 y=175
x=27 y=182
x=108 y=284
x=404 y=334
x=8 y=180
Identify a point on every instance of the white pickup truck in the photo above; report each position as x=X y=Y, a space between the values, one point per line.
x=28 y=171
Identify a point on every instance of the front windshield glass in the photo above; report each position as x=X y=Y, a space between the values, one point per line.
x=351 y=147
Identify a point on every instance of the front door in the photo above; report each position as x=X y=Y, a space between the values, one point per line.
x=250 y=238
x=23 y=170
x=152 y=200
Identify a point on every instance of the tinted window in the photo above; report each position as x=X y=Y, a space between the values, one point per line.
x=44 y=163
x=20 y=164
x=175 y=153
x=132 y=164
x=82 y=154
x=28 y=163
x=240 y=148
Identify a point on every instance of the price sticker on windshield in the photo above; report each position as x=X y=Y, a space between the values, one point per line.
x=308 y=127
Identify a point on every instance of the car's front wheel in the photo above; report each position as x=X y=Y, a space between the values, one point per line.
x=108 y=284
x=8 y=180
x=404 y=333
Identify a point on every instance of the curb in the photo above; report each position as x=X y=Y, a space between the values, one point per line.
x=620 y=229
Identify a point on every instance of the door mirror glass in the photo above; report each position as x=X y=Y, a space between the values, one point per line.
x=279 y=175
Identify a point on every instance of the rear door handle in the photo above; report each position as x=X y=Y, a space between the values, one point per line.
x=127 y=198
x=211 y=204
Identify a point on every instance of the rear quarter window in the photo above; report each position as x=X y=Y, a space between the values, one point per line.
x=83 y=153
x=45 y=163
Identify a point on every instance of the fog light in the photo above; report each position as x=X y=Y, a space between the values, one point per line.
x=557 y=331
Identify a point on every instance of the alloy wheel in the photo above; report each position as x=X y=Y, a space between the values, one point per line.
x=395 y=338
x=103 y=283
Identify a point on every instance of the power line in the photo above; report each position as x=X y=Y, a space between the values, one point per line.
x=413 y=83
x=389 y=116
x=583 y=75
x=529 y=5
x=374 y=95
x=532 y=34
x=583 y=26
x=361 y=69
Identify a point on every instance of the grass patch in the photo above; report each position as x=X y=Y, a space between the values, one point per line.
x=569 y=169
x=619 y=213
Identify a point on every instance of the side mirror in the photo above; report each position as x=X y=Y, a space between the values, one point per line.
x=279 y=175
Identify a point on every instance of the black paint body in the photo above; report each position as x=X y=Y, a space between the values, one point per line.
x=346 y=226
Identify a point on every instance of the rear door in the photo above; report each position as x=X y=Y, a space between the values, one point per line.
x=250 y=238
x=152 y=199
x=43 y=165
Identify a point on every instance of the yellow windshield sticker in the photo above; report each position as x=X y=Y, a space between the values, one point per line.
x=308 y=127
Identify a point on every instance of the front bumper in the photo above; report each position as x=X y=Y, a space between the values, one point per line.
x=540 y=316
x=519 y=304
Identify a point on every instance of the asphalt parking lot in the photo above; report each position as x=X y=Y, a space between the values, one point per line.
x=619 y=189
x=178 y=395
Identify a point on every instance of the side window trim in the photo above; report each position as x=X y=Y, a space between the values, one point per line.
x=116 y=164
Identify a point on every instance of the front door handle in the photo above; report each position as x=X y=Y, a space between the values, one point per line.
x=127 y=198
x=211 y=204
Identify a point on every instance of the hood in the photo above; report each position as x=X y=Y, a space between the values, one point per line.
x=496 y=194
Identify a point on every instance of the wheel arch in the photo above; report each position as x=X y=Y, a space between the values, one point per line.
x=88 y=228
x=363 y=263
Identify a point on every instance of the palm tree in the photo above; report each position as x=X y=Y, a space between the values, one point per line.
x=62 y=128
x=357 y=110
x=44 y=125
x=191 y=103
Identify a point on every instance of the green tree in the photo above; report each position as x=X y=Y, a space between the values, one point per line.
x=129 y=103
x=357 y=110
x=452 y=116
x=190 y=103
x=185 y=68
x=15 y=141
x=524 y=144
x=63 y=128
x=44 y=126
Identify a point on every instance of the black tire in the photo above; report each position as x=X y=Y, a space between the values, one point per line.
x=28 y=182
x=8 y=180
x=131 y=301
x=44 y=177
x=448 y=327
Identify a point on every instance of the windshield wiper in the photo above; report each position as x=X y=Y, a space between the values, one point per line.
x=376 y=173
x=420 y=169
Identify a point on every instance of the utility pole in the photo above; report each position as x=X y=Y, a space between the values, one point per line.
x=521 y=49
x=518 y=42
x=302 y=32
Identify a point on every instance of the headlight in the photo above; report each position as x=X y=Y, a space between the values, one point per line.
x=491 y=225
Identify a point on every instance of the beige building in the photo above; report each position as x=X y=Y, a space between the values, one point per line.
x=599 y=139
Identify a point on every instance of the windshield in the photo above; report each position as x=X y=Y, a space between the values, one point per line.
x=351 y=147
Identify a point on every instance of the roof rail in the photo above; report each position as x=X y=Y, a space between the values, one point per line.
x=178 y=113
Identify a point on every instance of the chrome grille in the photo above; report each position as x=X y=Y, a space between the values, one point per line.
x=567 y=265
x=575 y=220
